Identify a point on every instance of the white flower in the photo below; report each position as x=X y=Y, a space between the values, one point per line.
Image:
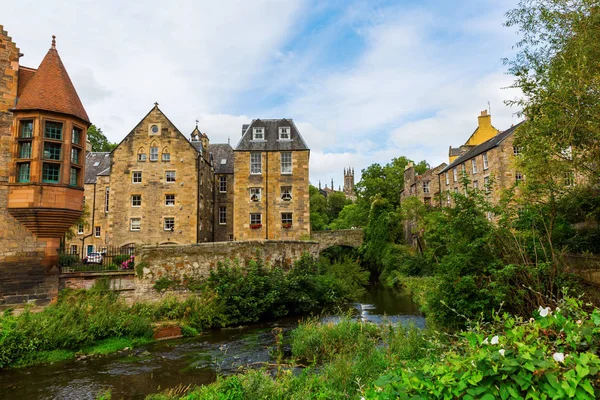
x=494 y=340
x=485 y=341
x=501 y=351
x=579 y=322
x=557 y=309
x=559 y=357
x=544 y=311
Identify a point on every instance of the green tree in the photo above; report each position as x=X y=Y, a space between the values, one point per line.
x=557 y=69
x=352 y=215
x=318 y=209
x=336 y=201
x=98 y=140
x=386 y=181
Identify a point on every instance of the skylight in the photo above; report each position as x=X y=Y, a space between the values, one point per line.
x=96 y=163
x=223 y=161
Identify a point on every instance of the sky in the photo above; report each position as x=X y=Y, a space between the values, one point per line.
x=365 y=81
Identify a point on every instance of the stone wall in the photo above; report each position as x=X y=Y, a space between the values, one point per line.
x=181 y=263
x=342 y=237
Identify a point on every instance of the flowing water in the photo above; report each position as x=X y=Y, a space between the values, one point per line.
x=195 y=361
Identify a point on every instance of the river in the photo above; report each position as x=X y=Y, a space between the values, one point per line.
x=192 y=361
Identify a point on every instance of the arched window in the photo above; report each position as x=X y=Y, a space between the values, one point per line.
x=154 y=151
x=141 y=154
x=166 y=155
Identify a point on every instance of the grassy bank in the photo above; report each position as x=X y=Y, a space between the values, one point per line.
x=550 y=356
x=98 y=322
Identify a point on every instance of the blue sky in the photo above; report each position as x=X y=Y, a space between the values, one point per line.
x=365 y=81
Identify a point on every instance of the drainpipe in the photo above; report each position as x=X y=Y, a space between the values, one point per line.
x=93 y=219
x=267 y=195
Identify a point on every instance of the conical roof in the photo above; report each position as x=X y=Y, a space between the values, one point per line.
x=51 y=89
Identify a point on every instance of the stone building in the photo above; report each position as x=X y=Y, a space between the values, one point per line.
x=43 y=128
x=484 y=131
x=426 y=187
x=488 y=166
x=271 y=196
x=223 y=213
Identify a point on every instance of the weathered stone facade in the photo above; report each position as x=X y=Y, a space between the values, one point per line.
x=426 y=187
x=275 y=188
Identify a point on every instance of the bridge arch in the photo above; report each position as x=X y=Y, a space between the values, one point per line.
x=343 y=237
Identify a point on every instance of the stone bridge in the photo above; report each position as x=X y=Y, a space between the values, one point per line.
x=342 y=237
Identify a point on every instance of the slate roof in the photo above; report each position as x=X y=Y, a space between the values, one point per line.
x=222 y=152
x=271 y=142
x=482 y=148
x=454 y=151
x=51 y=89
x=96 y=164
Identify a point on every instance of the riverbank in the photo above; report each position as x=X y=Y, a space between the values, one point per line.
x=98 y=322
x=552 y=355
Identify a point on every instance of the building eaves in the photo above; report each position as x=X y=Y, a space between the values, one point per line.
x=482 y=148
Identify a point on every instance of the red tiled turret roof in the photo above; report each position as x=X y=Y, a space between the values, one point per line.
x=51 y=89
x=25 y=74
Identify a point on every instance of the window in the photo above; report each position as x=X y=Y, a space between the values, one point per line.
x=222 y=215
x=485 y=161
x=425 y=187
x=447 y=178
x=153 y=153
x=231 y=238
x=52 y=151
x=222 y=184
x=475 y=185
x=135 y=224
x=258 y=133
x=97 y=231
x=255 y=163
x=486 y=184
x=170 y=176
x=518 y=177
x=76 y=136
x=51 y=173
x=455 y=190
x=169 y=224
x=25 y=150
x=24 y=170
x=569 y=178
x=169 y=199
x=154 y=129
x=255 y=219
x=106 y=198
x=27 y=129
x=284 y=133
x=455 y=174
x=448 y=201
x=286 y=219
x=136 y=200
x=166 y=156
x=75 y=156
x=73 y=249
x=255 y=194
x=286 y=193
x=53 y=130
x=286 y=162
x=136 y=177
x=73 y=176
x=141 y=156
x=474 y=165
x=517 y=151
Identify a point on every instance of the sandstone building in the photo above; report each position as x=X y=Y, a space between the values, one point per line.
x=271 y=196
x=43 y=128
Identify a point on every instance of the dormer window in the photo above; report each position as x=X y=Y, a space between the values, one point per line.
x=284 y=133
x=258 y=133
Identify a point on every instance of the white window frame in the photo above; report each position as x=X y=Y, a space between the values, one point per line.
x=486 y=164
x=475 y=184
x=286 y=166
x=291 y=218
x=455 y=174
x=516 y=151
x=285 y=133
x=426 y=187
x=222 y=215
x=141 y=157
x=132 y=200
x=474 y=165
x=166 y=157
x=80 y=229
x=135 y=227
x=167 y=200
x=97 y=231
x=286 y=193
x=133 y=176
x=153 y=154
x=169 y=221
x=518 y=177
x=73 y=249
x=255 y=191
x=256 y=163
x=258 y=133
x=447 y=178
x=486 y=184
x=170 y=176
x=222 y=184
x=253 y=216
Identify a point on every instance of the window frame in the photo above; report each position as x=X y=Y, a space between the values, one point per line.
x=286 y=163
x=171 y=176
x=455 y=174
x=52 y=147
x=77 y=174
x=97 y=231
x=134 y=198
x=167 y=199
x=256 y=163
x=139 y=224
x=486 y=163
x=53 y=165
x=285 y=191
x=255 y=191
x=447 y=178
x=474 y=165
x=254 y=215
x=222 y=184
x=282 y=132
x=22 y=145
x=289 y=218
x=20 y=167
x=153 y=157
x=169 y=221
x=222 y=215
x=256 y=131
x=133 y=177
x=78 y=135
x=80 y=229
x=426 y=187
x=22 y=124
x=51 y=134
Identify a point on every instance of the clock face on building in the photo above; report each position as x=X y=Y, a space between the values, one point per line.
x=154 y=129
